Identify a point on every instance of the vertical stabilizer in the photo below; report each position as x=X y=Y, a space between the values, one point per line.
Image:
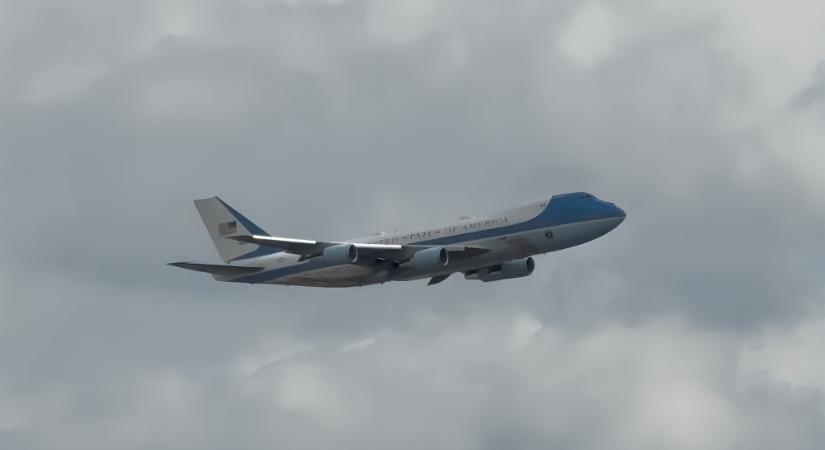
x=223 y=221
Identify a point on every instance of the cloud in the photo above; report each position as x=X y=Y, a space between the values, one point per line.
x=589 y=37
x=788 y=357
x=662 y=385
x=359 y=345
x=398 y=21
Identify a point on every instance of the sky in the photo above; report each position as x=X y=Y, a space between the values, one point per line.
x=697 y=324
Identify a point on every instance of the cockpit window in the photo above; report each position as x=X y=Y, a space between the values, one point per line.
x=586 y=196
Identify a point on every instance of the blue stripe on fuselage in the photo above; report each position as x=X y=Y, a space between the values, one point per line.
x=254 y=229
x=562 y=209
x=260 y=251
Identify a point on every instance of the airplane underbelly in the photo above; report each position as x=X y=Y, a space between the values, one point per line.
x=337 y=276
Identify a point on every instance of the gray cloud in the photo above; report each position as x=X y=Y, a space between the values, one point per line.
x=693 y=325
x=813 y=93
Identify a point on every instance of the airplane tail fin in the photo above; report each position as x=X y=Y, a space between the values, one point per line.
x=222 y=221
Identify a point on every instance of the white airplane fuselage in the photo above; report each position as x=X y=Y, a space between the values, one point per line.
x=479 y=246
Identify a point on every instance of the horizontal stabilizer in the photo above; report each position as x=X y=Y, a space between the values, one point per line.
x=217 y=269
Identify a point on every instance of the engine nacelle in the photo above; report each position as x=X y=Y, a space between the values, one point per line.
x=516 y=268
x=431 y=259
x=341 y=254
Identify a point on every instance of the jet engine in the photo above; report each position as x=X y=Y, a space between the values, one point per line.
x=431 y=259
x=516 y=268
x=341 y=254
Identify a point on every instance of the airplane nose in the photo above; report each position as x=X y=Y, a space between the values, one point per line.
x=617 y=213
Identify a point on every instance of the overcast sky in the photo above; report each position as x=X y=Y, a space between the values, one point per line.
x=697 y=324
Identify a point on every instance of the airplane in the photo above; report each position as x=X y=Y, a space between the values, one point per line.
x=488 y=248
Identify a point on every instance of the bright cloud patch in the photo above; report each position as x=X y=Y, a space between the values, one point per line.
x=588 y=38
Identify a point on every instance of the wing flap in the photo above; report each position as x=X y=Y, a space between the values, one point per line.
x=438 y=279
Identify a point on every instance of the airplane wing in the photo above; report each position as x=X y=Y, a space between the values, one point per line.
x=309 y=249
x=289 y=245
